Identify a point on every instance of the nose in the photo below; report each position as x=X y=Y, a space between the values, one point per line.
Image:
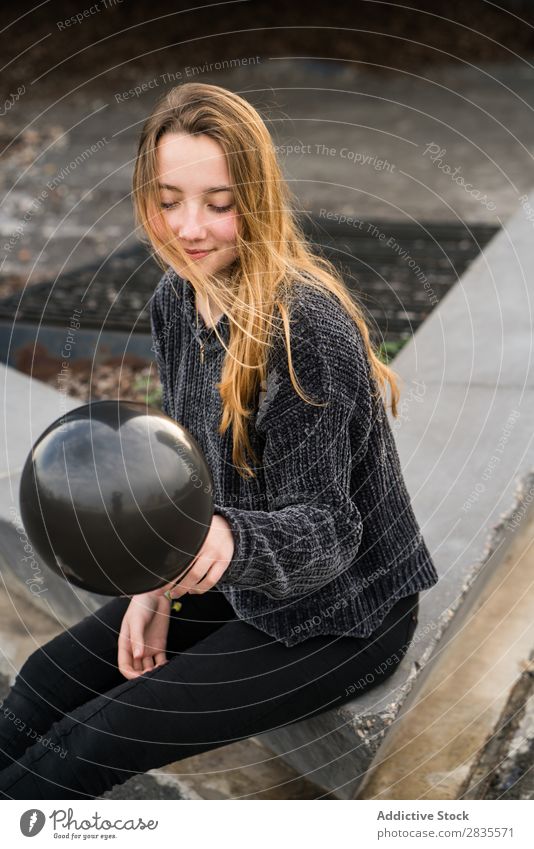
x=188 y=224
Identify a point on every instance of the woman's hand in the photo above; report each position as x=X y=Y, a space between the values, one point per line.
x=209 y=564
x=143 y=634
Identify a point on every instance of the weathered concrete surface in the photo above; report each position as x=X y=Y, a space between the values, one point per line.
x=504 y=767
x=24 y=624
x=433 y=748
x=243 y=770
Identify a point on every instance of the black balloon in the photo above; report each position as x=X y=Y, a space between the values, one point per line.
x=117 y=497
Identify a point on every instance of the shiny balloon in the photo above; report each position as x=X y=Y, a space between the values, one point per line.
x=117 y=497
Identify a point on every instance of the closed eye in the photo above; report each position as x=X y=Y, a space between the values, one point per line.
x=218 y=209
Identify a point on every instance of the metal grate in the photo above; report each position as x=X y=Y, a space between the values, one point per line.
x=399 y=271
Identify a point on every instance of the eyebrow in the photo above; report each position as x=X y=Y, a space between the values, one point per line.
x=213 y=190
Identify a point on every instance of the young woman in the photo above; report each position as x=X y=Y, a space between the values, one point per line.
x=305 y=591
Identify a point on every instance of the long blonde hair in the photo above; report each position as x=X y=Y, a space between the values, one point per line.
x=272 y=250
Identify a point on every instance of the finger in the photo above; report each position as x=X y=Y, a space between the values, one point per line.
x=175 y=581
x=160 y=658
x=209 y=580
x=148 y=664
x=191 y=582
x=126 y=669
x=125 y=658
x=137 y=641
x=163 y=590
x=129 y=672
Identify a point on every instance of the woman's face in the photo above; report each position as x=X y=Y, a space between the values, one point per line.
x=197 y=199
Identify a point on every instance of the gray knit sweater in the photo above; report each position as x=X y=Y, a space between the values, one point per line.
x=325 y=536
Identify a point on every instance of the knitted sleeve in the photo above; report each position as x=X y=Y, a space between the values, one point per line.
x=312 y=529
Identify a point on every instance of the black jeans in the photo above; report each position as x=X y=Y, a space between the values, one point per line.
x=72 y=726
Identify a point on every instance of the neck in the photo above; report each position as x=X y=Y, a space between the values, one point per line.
x=202 y=302
x=202 y=307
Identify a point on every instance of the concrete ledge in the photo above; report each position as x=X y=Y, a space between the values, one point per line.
x=454 y=709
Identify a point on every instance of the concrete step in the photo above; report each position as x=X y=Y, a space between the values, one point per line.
x=24 y=624
x=447 y=741
x=243 y=770
x=503 y=769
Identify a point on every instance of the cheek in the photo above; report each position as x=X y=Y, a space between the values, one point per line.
x=225 y=231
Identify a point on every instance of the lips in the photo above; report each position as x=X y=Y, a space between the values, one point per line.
x=198 y=253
